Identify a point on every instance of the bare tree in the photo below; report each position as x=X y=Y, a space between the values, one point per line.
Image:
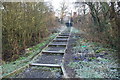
x=63 y=10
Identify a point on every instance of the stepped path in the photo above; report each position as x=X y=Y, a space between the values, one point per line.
x=48 y=64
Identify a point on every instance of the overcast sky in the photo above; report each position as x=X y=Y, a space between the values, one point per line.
x=56 y=4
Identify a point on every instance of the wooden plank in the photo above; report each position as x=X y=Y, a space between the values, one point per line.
x=65 y=32
x=64 y=72
x=62 y=36
x=60 y=40
x=45 y=65
x=53 y=52
x=57 y=44
x=62 y=66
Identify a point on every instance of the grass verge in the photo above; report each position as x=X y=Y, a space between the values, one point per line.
x=92 y=60
x=9 y=67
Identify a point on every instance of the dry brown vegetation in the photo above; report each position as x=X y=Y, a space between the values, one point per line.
x=24 y=24
x=102 y=23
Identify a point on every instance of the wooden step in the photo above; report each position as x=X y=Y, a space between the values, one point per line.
x=60 y=39
x=65 y=32
x=62 y=36
x=45 y=65
x=57 y=52
x=57 y=45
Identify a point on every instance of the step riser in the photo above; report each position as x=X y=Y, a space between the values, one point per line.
x=56 y=45
x=60 y=40
x=51 y=53
x=63 y=35
x=45 y=65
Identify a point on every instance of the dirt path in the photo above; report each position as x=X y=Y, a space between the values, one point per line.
x=69 y=55
x=55 y=58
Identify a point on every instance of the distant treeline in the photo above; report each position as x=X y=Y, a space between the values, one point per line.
x=24 y=25
x=102 y=23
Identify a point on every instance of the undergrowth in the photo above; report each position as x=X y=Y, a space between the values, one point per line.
x=8 y=67
x=100 y=64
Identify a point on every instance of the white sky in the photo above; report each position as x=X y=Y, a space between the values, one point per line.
x=56 y=4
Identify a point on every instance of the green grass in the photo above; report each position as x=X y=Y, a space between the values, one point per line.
x=9 y=67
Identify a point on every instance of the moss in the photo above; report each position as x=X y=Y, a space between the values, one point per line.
x=30 y=48
x=100 y=50
x=93 y=58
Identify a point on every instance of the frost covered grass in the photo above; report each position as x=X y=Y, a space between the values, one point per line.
x=9 y=67
x=93 y=60
x=101 y=69
x=74 y=30
x=83 y=44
